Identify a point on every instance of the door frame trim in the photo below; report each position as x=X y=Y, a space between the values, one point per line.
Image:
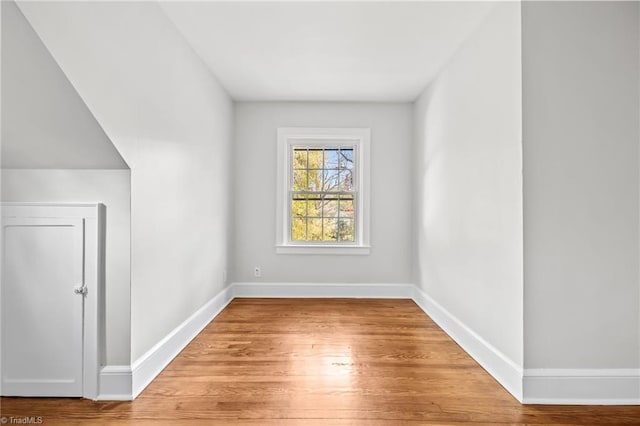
x=93 y=335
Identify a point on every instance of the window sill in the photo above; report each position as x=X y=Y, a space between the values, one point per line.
x=323 y=249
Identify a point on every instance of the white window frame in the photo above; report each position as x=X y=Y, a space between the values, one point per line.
x=291 y=136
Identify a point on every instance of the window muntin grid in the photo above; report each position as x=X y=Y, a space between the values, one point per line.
x=323 y=194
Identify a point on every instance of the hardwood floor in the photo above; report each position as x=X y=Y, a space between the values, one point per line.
x=319 y=362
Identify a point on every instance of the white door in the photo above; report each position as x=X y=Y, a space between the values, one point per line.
x=42 y=306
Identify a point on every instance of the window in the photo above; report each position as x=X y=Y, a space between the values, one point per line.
x=323 y=191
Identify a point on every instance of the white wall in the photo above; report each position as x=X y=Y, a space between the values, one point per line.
x=45 y=123
x=254 y=174
x=172 y=123
x=581 y=134
x=468 y=185
x=112 y=188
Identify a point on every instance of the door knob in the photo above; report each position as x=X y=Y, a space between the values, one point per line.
x=81 y=290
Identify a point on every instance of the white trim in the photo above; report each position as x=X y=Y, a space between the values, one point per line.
x=582 y=386
x=539 y=386
x=581 y=372
x=322 y=249
x=116 y=383
x=40 y=204
x=93 y=324
x=150 y=364
x=498 y=365
x=323 y=290
x=361 y=138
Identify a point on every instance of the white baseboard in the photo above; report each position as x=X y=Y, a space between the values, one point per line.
x=320 y=290
x=116 y=383
x=503 y=369
x=582 y=386
x=149 y=365
x=535 y=386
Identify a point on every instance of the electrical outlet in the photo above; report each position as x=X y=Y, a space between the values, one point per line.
x=257 y=272
x=224 y=276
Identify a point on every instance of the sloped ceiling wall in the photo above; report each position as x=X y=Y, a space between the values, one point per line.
x=45 y=123
x=172 y=122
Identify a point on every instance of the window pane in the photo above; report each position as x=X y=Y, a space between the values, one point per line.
x=300 y=158
x=346 y=180
x=346 y=230
x=346 y=158
x=300 y=180
x=299 y=206
x=299 y=229
x=315 y=180
x=330 y=207
x=315 y=158
x=314 y=229
x=314 y=207
x=347 y=206
x=331 y=180
x=330 y=231
x=331 y=158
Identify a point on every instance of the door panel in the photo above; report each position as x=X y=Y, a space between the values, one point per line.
x=42 y=316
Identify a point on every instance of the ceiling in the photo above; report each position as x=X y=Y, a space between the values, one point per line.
x=326 y=51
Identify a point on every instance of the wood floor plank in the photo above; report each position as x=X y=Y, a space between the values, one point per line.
x=319 y=362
